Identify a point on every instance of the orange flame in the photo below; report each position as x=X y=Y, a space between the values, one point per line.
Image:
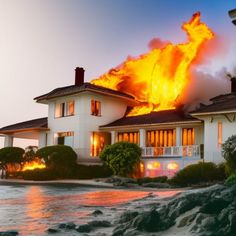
x=36 y=164
x=158 y=78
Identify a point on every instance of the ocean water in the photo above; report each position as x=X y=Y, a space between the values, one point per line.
x=32 y=209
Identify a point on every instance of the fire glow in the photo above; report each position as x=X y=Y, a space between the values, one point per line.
x=32 y=165
x=158 y=78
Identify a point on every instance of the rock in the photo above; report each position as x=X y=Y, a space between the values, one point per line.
x=86 y=228
x=214 y=206
x=9 y=233
x=156 y=185
x=70 y=225
x=53 y=230
x=62 y=226
x=187 y=220
x=127 y=216
x=97 y=212
x=99 y=223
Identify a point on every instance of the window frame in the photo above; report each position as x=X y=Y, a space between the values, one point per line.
x=95 y=111
x=64 y=109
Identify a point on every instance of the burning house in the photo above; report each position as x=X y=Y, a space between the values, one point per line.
x=141 y=101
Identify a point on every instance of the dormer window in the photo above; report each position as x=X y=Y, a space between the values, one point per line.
x=64 y=109
x=95 y=108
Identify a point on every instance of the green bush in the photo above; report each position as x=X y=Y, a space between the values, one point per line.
x=39 y=174
x=92 y=171
x=198 y=173
x=159 y=179
x=121 y=157
x=11 y=155
x=229 y=153
x=231 y=180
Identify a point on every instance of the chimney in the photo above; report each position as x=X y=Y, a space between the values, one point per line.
x=233 y=85
x=79 y=76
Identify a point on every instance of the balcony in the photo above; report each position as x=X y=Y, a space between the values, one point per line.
x=175 y=151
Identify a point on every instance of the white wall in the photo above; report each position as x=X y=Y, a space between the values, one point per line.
x=83 y=123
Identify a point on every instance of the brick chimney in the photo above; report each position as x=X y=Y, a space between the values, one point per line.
x=79 y=76
x=233 y=85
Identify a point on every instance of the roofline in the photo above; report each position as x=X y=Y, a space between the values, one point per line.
x=139 y=126
x=125 y=97
x=23 y=130
x=213 y=113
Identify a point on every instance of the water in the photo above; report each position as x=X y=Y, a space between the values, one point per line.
x=33 y=209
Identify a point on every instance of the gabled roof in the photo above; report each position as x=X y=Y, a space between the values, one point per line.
x=73 y=89
x=222 y=103
x=160 y=117
x=36 y=124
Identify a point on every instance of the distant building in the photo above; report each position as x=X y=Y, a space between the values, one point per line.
x=88 y=117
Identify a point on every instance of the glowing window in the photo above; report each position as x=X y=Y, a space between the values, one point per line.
x=188 y=136
x=64 y=109
x=132 y=137
x=98 y=140
x=219 y=134
x=172 y=166
x=95 y=108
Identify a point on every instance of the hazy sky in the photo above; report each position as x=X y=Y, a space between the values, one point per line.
x=42 y=41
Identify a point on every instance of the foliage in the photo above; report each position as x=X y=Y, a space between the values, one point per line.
x=121 y=157
x=11 y=155
x=30 y=153
x=198 y=173
x=39 y=174
x=229 y=153
x=231 y=180
x=159 y=179
x=92 y=171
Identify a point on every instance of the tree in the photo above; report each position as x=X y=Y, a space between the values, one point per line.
x=122 y=157
x=30 y=153
x=10 y=156
x=229 y=153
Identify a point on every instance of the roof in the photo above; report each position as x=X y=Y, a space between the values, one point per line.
x=160 y=117
x=74 y=89
x=41 y=123
x=221 y=103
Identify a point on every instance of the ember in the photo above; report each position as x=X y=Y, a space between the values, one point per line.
x=36 y=164
x=157 y=79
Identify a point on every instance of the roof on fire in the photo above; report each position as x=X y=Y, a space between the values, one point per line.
x=160 y=117
x=74 y=89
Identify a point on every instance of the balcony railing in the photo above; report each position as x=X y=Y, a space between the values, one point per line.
x=175 y=151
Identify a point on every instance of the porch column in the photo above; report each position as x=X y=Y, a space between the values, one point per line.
x=178 y=136
x=113 y=137
x=42 y=139
x=8 y=141
x=142 y=138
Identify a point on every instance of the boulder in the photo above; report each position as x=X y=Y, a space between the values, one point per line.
x=53 y=230
x=86 y=228
x=97 y=212
x=9 y=233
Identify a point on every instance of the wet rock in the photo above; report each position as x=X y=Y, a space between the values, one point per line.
x=70 y=225
x=86 y=228
x=97 y=212
x=214 y=206
x=62 y=226
x=156 y=185
x=187 y=220
x=99 y=223
x=9 y=233
x=53 y=230
x=127 y=216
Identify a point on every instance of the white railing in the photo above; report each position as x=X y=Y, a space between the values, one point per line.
x=175 y=151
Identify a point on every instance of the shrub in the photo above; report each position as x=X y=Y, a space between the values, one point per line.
x=159 y=179
x=229 y=153
x=30 y=153
x=39 y=174
x=121 y=157
x=231 y=180
x=198 y=173
x=11 y=155
x=92 y=171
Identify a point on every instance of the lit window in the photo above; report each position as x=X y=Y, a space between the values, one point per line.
x=95 y=108
x=65 y=138
x=188 y=136
x=172 y=166
x=132 y=137
x=64 y=109
x=219 y=134
x=98 y=140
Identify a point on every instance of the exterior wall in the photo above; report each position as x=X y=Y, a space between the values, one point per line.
x=212 y=152
x=83 y=123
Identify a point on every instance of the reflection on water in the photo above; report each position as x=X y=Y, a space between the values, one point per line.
x=32 y=209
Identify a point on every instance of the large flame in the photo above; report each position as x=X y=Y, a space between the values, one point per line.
x=158 y=78
x=35 y=164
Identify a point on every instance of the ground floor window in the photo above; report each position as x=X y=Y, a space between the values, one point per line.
x=188 y=136
x=65 y=138
x=161 y=138
x=98 y=140
x=132 y=137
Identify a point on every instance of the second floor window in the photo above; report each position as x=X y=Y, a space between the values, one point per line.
x=95 y=108
x=64 y=109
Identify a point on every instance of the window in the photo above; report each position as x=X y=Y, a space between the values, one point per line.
x=65 y=138
x=219 y=135
x=95 y=108
x=64 y=109
x=161 y=138
x=188 y=136
x=132 y=137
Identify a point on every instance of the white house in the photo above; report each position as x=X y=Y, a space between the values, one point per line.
x=88 y=117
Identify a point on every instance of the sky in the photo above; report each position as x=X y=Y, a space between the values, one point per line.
x=42 y=41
